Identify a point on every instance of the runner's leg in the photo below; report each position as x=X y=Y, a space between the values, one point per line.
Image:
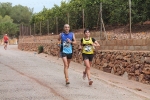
x=68 y=60
x=69 y=57
x=88 y=63
x=87 y=69
x=5 y=46
x=66 y=66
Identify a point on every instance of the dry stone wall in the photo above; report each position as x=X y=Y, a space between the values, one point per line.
x=11 y=41
x=125 y=44
x=129 y=44
x=133 y=65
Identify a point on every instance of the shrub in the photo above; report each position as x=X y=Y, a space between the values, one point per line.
x=40 y=49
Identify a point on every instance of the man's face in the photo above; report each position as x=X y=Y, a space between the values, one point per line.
x=67 y=28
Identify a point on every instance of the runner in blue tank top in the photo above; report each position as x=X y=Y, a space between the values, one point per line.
x=67 y=39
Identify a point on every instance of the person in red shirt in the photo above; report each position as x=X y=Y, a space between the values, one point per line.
x=5 y=41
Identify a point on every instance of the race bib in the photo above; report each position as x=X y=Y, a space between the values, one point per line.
x=88 y=48
x=66 y=44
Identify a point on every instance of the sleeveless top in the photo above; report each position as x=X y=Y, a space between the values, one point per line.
x=87 y=46
x=5 y=38
x=66 y=47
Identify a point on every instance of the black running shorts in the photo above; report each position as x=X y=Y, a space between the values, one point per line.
x=6 y=42
x=69 y=56
x=88 y=56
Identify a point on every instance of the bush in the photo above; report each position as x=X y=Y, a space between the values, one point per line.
x=40 y=49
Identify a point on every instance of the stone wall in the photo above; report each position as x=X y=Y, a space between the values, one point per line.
x=125 y=44
x=11 y=41
x=134 y=65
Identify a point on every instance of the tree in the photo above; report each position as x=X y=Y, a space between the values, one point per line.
x=115 y=12
x=7 y=26
x=5 y=9
x=21 y=14
x=12 y=16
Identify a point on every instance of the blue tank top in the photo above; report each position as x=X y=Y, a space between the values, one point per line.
x=66 y=46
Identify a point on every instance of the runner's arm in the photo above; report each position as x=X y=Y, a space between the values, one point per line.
x=95 y=43
x=74 y=40
x=80 y=45
x=59 y=37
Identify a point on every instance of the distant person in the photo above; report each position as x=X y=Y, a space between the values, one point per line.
x=87 y=46
x=67 y=39
x=5 y=41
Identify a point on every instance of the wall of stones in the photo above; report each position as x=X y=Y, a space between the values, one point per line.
x=11 y=41
x=133 y=65
x=126 y=44
x=110 y=44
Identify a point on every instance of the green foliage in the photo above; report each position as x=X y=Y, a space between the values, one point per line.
x=7 y=26
x=115 y=12
x=5 y=9
x=40 y=49
x=21 y=14
x=12 y=16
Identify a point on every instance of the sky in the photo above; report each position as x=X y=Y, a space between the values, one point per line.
x=36 y=4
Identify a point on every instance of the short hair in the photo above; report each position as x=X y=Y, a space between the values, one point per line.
x=86 y=30
x=66 y=25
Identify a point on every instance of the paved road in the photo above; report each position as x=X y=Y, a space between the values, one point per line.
x=25 y=76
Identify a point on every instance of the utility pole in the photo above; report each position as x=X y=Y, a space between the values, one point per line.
x=101 y=25
x=68 y=17
x=40 y=28
x=83 y=19
x=48 y=26
x=30 y=29
x=27 y=30
x=130 y=18
x=56 y=25
x=20 y=30
x=34 y=28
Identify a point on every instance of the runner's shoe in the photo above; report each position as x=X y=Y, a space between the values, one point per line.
x=67 y=81
x=90 y=82
x=84 y=75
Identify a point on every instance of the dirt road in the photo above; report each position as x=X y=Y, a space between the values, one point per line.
x=26 y=76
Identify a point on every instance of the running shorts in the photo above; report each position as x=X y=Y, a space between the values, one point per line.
x=6 y=42
x=69 y=56
x=88 y=56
